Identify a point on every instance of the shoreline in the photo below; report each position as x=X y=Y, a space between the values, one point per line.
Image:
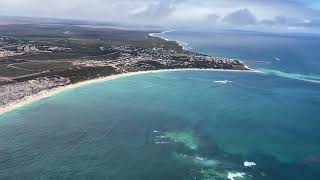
x=51 y=92
x=184 y=45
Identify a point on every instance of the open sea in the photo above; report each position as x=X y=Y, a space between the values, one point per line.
x=188 y=125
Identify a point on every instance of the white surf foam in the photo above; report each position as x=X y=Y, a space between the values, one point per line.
x=232 y=176
x=161 y=142
x=223 y=82
x=249 y=164
x=277 y=59
x=161 y=137
x=184 y=45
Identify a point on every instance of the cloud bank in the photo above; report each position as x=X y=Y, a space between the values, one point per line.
x=244 y=14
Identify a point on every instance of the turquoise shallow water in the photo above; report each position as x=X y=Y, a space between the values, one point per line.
x=172 y=125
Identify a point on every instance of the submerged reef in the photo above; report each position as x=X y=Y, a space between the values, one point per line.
x=186 y=138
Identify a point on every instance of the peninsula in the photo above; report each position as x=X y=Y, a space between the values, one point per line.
x=37 y=59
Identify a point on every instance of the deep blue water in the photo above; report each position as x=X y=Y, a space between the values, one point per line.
x=291 y=55
x=175 y=125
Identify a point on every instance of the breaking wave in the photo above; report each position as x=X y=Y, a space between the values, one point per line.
x=234 y=176
x=223 y=82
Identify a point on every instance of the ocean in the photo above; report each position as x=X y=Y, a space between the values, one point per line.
x=292 y=56
x=180 y=125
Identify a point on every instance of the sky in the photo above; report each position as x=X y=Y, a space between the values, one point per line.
x=268 y=15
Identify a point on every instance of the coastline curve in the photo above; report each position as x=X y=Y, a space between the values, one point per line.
x=47 y=93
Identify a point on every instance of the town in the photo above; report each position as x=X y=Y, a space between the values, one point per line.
x=131 y=58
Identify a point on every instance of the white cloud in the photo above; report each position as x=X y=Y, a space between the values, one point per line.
x=275 y=13
x=240 y=17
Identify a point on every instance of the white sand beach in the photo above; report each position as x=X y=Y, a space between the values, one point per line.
x=51 y=92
